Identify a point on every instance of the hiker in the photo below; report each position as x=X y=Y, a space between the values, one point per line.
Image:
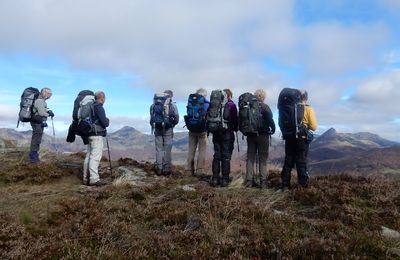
x=164 y=117
x=73 y=130
x=296 y=147
x=38 y=122
x=222 y=125
x=94 y=150
x=196 y=123
x=258 y=143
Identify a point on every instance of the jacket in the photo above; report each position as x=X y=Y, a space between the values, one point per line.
x=267 y=119
x=233 y=122
x=309 y=119
x=101 y=122
x=40 y=110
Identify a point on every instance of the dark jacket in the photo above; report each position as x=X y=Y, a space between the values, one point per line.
x=233 y=116
x=268 y=127
x=101 y=122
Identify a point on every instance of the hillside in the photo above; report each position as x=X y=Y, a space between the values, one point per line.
x=333 y=145
x=330 y=153
x=46 y=213
x=384 y=161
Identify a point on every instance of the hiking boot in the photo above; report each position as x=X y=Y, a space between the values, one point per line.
x=159 y=172
x=214 y=182
x=167 y=173
x=248 y=184
x=263 y=185
x=34 y=157
x=283 y=188
x=225 y=183
x=98 y=183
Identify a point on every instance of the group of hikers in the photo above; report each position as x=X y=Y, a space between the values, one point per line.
x=218 y=116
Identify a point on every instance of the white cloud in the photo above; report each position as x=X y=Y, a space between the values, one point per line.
x=183 y=45
x=380 y=93
x=180 y=43
x=335 y=48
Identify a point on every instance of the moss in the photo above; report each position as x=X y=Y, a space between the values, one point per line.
x=25 y=217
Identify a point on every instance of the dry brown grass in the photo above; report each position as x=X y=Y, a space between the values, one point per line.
x=337 y=217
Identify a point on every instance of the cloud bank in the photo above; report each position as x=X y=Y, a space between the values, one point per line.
x=183 y=45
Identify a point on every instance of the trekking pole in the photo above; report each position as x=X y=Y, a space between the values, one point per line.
x=109 y=157
x=240 y=159
x=257 y=173
x=54 y=135
x=52 y=124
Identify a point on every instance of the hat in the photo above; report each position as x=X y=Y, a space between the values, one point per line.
x=169 y=93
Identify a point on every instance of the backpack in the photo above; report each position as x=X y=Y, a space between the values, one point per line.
x=249 y=114
x=195 y=119
x=85 y=112
x=291 y=112
x=218 y=113
x=28 y=98
x=162 y=112
x=78 y=99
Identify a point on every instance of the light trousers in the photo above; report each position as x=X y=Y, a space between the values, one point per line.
x=94 y=151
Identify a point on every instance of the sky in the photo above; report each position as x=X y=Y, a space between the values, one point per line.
x=346 y=54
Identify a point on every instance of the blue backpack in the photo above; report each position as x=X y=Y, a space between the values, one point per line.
x=162 y=114
x=195 y=119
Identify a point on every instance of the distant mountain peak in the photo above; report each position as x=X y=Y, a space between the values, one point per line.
x=330 y=132
x=126 y=131
x=127 y=128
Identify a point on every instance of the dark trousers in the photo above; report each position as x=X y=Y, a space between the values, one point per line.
x=257 y=145
x=296 y=152
x=223 y=148
x=37 y=133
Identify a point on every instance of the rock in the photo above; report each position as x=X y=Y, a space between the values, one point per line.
x=390 y=233
x=193 y=223
x=277 y=212
x=394 y=251
x=132 y=176
x=188 y=188
x=236 y=182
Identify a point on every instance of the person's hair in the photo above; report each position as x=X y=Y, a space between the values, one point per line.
x=169 y=93
x=228 y=92
x=260 y=95
x=304 y=95
x=45 y=92
x=99 y=94
x=202 y=92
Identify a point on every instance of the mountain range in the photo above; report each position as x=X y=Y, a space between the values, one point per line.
x=330 y=153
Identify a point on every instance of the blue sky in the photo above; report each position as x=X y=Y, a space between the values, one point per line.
x=345 y=53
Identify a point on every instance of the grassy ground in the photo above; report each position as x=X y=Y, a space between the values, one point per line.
x=46 y=213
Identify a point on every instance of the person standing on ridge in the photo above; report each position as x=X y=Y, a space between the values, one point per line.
x=296 y=148
x=196 y=123
x=258 y=144
x=94 y=149
x=164 y=117
x=38 y=123
x=223 y=141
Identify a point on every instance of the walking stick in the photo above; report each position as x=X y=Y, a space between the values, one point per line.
x=109 y=157
x=240 y=159
x=54 y=135
x=52 y=124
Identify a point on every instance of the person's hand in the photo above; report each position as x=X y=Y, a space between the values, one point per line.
x=44 y=124
x=51 y=114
